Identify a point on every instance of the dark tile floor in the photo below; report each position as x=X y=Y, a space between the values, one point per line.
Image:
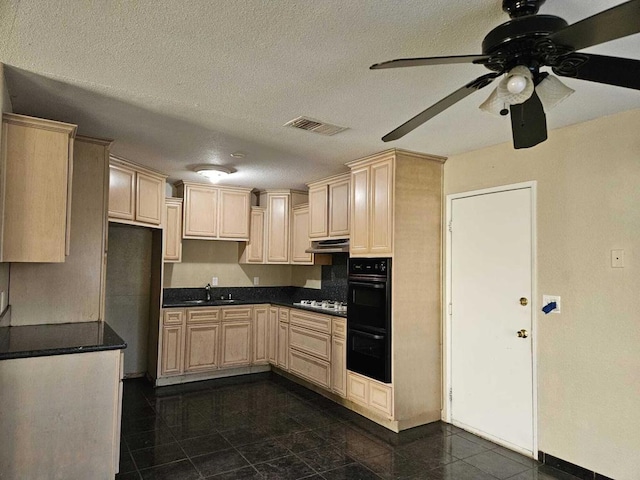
x=266 y=427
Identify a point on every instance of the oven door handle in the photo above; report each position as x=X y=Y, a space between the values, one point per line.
x=368 y=335
x=368 y=285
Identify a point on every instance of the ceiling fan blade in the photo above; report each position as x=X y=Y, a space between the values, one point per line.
x=418 y=62
x=616 y=22
x=528 y=123
x=440 y=106
x=622 y=72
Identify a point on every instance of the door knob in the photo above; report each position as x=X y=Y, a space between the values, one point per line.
x=524 y=302
x=523 y=333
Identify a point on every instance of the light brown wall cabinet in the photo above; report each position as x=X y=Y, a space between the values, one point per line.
x=253 y=250
x=136 y=194
x=278 y=220
x=173 y=230
x=300 y=236
x=329 y=211
x=372 y=208
x=35 y=191
x=215 y=212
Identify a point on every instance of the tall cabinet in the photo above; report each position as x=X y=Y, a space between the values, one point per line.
x=36 y=163
x=396 y=205
x=82 y=276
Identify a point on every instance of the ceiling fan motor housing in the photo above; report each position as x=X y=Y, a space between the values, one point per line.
x=521 y=42
x=520 y=8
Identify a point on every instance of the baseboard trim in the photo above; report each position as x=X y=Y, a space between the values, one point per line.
x=571 y=468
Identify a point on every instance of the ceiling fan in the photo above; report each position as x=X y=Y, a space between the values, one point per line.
x=519 y=48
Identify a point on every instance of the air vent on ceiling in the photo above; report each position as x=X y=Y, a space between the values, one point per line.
x=316 y=126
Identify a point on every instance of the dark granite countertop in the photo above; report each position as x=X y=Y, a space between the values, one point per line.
x=57 y=339
x=190 y=303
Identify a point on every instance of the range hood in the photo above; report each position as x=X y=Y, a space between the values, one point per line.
x=340 y=245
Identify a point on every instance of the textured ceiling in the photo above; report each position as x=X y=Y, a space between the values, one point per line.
x=182 y=83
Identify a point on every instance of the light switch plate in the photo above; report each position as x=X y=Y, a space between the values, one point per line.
x=547 y=299
x=256 y=280
x=214 y=281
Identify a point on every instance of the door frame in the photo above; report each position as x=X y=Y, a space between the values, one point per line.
x=446 y=320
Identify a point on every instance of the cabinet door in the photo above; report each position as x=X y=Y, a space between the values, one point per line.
x=236 y=344
x=359 y=243
x=273 y=335
x=201 y=352
x=357 y=389
x=172 y=346
x=122 y=184
x=234 y=214
x=339 y=211
x=173 y=231
x=255 y=247
x=339 y=366
x=149 y=198
x=260 y=335
x=300 y=237
x=172 y=350
x=381 y=204
x=283 y=346
x=318 y=212
x=200 y=212
x=278 y=229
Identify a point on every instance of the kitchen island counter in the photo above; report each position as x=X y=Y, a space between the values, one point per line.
x=57 y=339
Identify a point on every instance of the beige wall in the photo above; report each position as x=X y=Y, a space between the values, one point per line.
x=5 y=106
x=203 y=259
x=588 y=356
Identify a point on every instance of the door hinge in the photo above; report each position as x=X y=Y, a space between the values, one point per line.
x=450 y=309
x=450 y=223
x=450 y=394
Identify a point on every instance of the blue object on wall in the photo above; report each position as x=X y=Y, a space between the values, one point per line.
x=549 y=307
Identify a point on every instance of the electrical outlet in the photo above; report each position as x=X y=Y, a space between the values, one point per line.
x=617 y=258
x=256 y=280
x=3 y=301
x=546 y=299
x=214 y=281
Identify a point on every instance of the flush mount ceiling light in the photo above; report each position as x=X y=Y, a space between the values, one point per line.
x=213 y=173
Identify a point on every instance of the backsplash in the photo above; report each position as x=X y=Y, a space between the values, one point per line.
x=334 y=287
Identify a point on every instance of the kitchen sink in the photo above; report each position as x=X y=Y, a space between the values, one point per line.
x=195 y=302
x=225 y=302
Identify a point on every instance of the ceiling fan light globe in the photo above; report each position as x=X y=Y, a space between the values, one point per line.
x=516 y=84
x=552 y=91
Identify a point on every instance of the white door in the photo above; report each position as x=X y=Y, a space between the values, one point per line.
x=491 y=374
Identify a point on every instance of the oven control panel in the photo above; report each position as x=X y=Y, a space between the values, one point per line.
x=369 y=266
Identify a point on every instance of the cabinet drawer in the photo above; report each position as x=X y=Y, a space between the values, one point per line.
x=283 y=315
x=313 y=343
x=381 y=398
x=310 y=368
x=173 y=316
x=357 y=389
x=203 y=315
x=339 y=327
x=314 y=321
x=236 y=313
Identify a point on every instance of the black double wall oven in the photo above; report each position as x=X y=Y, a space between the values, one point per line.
x=369 y=317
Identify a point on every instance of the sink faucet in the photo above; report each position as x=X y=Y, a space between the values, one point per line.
x=207 y=291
